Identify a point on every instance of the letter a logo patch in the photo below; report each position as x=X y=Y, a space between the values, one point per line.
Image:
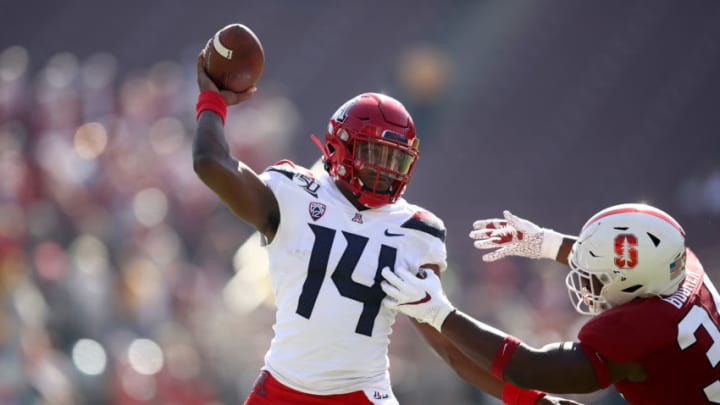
x=316 y=210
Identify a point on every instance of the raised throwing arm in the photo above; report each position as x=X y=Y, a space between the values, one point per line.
x=235 y=183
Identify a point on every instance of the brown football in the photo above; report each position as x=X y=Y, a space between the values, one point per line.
x=234 y=58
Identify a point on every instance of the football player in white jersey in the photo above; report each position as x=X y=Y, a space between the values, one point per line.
x=328 y=239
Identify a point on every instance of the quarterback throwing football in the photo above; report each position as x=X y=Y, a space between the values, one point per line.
x=328 y=239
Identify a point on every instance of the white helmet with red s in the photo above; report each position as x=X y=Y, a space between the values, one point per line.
x=624 y=252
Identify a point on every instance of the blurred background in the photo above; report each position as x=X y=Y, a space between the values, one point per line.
x=121 y=281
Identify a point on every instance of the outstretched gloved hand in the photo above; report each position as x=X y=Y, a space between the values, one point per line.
x=419 y=298
x=515 y=236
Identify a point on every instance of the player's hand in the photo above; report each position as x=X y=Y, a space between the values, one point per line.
x=551 y=400
x=419 y=298
x=206 y=83
x=515 y=236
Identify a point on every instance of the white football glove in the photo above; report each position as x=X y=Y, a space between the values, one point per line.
x=419 y=298
x=515 y=237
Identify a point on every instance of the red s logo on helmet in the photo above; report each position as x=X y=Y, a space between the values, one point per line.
x=626 y=255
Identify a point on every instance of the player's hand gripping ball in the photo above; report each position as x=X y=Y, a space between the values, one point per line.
x=234 y=58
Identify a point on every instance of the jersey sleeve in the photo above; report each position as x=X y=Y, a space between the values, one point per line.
x=430 y=232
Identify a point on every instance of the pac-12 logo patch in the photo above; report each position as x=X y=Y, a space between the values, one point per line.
x=316 y=210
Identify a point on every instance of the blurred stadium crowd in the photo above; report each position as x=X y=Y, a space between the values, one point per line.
x=112 y=253
x=116 y=280
x=121 y=281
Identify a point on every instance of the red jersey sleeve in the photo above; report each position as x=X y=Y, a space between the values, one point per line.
x=631 y=331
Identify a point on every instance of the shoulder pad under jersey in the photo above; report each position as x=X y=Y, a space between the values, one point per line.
x=299 y=175
x=289 y=169
x=426 y=221
x=631 y=331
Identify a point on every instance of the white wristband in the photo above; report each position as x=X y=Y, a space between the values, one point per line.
x=551 y=243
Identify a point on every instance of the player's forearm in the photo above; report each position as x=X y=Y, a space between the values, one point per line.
x=565 y=248
x=559 y=368
x=477 y=340
x=460 y=363
x=474 y=374
x=209 y=142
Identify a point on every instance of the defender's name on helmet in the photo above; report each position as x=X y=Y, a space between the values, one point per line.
x=683 y=293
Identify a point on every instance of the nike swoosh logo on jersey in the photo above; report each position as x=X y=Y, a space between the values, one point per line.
x=388 y=233
x=422 y=300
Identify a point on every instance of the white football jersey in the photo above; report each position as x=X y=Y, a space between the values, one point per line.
x=331 y=329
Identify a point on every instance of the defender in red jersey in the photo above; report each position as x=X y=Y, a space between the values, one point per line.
x=655 y=334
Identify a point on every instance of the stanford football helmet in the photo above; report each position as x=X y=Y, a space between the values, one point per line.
x=624 y=252
x=373 y=132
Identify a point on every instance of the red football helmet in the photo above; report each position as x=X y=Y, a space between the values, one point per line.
x=374 y=135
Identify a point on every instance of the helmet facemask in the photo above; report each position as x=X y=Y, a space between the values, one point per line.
x=585 y=290
x=381 y=167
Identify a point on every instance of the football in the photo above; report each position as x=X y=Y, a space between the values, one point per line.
x=234 y=58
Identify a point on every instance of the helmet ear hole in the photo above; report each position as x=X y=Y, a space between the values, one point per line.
x=655 y=240
x=632 y=289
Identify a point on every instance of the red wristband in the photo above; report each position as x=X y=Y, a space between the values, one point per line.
x=513 y=395
x=213 y=101
x=502 y=356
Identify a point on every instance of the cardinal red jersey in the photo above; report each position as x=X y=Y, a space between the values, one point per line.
x=331 y=329
x=676 y=339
